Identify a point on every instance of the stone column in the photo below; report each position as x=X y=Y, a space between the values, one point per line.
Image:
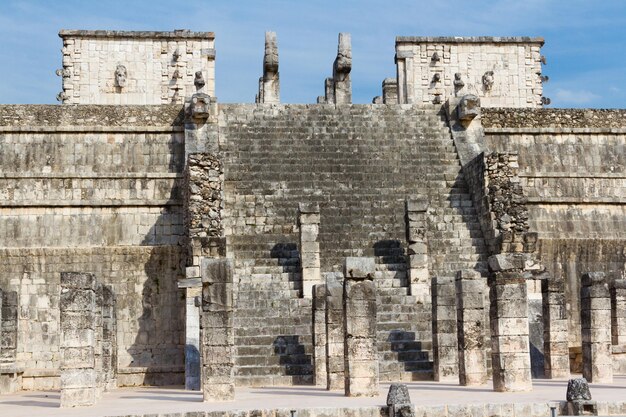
x=595 y=318
x=445 y=351
x=10 y=374
x=510 y=348
x=319 y=334
x=309 y=220
x=341 y=71
x=77 y=321
x=109 y=338
x=192 y=338
x=470 y=303
x=359 y=310
x=555 y=335
x=334 y=332
x=618 y=312
x=216 y=329
x=269 y=84
x=390 y=91
x=419 y=278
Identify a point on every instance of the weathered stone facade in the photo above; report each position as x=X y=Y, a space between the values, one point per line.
x=430 y=181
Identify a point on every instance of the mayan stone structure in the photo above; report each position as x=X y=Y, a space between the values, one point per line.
x=211 y=237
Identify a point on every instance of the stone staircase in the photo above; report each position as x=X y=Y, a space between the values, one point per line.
x=359 y=163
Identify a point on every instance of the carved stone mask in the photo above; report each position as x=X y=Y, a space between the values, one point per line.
x=120 y=76
x=488 y=80
x=199 y=80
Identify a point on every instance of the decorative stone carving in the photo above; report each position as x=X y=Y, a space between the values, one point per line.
x=544 y=78
x=269 y=83
x=200 y=106
x=436 y=77
x=543 y=60
x=399 y=401
x=198 y=80
x=468 y=108
x=545 y=101
x=64 y=72
x=435 y=57
x=458 y=82
x=437 y=99
x=342 y=66
x=177 y=54
x=177 y=74
x=62 y=96
x=120 y=76
x=488 y=80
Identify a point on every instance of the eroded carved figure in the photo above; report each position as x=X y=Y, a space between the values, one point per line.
x=458 y=82
x=198 y=80
x=120 y=76
x=488 y=80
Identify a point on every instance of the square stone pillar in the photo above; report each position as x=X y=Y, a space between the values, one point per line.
x=419 y=278
x=319 y=335
x=78 y=339
x=470 y=303
x=216 y=330
x=445 y=351
x=309 y=220
x=109 y=338
x=10 y=374
x=390 y=91
x=359 y=306
x=595 y=318
x=192 y=338
x=510 y=346
x=618 y=312
x=555 y=334
x=334 y=332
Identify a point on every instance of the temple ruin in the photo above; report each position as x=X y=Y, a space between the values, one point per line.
x=454 y=230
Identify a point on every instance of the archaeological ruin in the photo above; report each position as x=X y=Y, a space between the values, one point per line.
x=454 y=230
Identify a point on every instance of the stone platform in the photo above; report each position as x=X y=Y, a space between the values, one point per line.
x=429 y=398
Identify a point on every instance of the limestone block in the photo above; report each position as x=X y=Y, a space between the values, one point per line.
x=359 y=268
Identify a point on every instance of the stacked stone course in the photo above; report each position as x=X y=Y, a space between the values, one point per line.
x=595 y=316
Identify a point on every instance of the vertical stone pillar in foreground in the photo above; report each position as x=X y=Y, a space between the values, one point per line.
x=555 y=337
x=334 y=332
x=509 y=326
x=445 y=351
x=470 y=304
x=10 y=374
x=216 y=329
x=359 y=306
x=78 y=319
x=618 y=312
x=595 y=318
x=192 y=338
x=309 y=220
x=419 y=278
x=319 y=334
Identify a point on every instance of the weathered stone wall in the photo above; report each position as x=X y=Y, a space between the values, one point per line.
x=500 y=71
x=572 y=168
x=94 y=189
x=158 y=67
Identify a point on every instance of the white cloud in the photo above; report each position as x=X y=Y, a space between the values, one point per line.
x=575 y=96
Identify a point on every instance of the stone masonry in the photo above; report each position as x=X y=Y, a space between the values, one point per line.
x=78 y=335
x=320 y=337
x=595 y=317
x=216 y=330
x=359 y=310
x=118 y=67
x=471 y=327
x=269 y=83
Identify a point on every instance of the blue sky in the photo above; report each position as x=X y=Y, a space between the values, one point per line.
x=585 y=40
